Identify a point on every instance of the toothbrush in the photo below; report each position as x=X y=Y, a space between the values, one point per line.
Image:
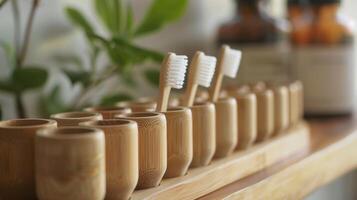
x=228 y=64
x=172 y=75
x=201 y=72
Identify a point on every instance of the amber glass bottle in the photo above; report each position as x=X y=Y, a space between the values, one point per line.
x=323 y=59
x=261 y=39
x=300 y=16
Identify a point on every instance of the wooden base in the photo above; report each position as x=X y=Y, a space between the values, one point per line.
x=220 y=172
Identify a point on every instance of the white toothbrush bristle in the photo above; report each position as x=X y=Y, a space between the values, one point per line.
x=206 y=69
x=176 y=71
x=231 y=61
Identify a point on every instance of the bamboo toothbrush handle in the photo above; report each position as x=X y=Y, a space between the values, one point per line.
x=190 y=95
x=163 y=99
x=218 y=77
x=164 y=88
x=216 y=87
x=192 y=84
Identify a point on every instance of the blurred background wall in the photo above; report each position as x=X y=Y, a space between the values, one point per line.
x=53 y=34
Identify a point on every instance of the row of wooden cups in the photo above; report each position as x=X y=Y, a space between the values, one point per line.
x=89 y=157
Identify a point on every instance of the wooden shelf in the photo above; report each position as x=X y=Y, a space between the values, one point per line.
x=221 y=172
x=331 y=154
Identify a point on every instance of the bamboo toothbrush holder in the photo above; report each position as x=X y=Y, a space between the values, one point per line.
x=108 y=112
x=226 y=126
x=152 y=147
x=122 y=161
x=70 y=163
x=179 y=141
x=281 y=108
x=204 y=133
x=296 y=105
x=265 y=110
x=141 y=105
x=247 y=119
x=232 y=90
x=17 y=179
x=74 y=118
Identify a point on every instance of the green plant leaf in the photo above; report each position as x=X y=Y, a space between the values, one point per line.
x=153 y=76
x=7 y=86
x=52 y=103
x=79 y=20
x=78 y=76
x=111 y=100
x=160 y=13
x=129 y=53
x=29 y=78
x=9 y=53
x=2 y=3
x=124 y=53
x=129 y=19
x=110 y=12
x=127 y=76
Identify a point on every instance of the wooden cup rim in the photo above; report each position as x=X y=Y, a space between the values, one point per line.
x=105 y=123
x=139 y=115
x=138 y=102
x=107 y=109
x=71 y=132
x=76 y=115
x=26 y=123
x=201 y=104
x=176 y=109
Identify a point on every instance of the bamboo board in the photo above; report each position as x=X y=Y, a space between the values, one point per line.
x=203 y=180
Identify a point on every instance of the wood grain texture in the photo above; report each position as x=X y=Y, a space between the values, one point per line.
x=70 y=164
x=108 y=112
x=296 y=105
x=122 y=161
x=247 y=119
x=179 y=141
x=226 y=127
x=145 y=104
x=330 y=155
x=17 y=137
x=220 y=172
x=265 y=110
x=204 y=133
x=281 y=108
x=152 y=147
x=74 y=118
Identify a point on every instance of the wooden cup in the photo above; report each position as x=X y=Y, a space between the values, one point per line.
x=141 y=105
x=74 y=118
x=226 y=126
x=232 y=90
x=17 y=178
x=296 y=107
x=70 y=163
x=122 y=162
x=247 y=119
x=179 y=141
x=108 y=112
x=204 y=133
x=281 y=108
x=265 y=113
x=152 y=147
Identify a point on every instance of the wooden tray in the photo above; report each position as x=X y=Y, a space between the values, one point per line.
x=220 y=172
